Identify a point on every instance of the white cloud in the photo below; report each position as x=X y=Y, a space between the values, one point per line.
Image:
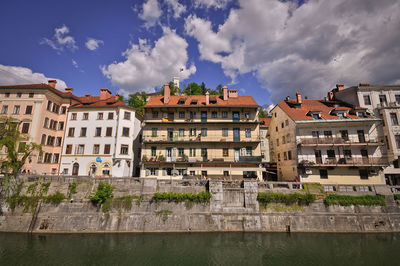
x=15 y=75
x=61 y=40
x=151 y=12
x=216 y=4
x=312 y=46
x=176 y=7
x=146 y=66
x=75 y=64
x=92 y=44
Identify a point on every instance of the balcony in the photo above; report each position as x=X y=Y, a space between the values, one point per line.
x=203 y=159
x=338 y=141
x=388 y=105
x=250 y=159
x=193 y=139
x=347 y=162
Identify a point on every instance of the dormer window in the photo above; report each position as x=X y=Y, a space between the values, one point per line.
x=193 y=102
x=181 y=101
x=361 y=114
x=316 y=116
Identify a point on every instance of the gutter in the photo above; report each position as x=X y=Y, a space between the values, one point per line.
x=338 y=120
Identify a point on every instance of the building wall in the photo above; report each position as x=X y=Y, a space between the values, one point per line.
x=264 y=144
x=343 y=175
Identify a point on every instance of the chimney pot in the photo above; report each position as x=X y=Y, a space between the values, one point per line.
x=167 y=93
x=207 y=98
x=104 y=93
x=225 y=92
x=330 y=96
x=340 y=87
x=298 y=97
x=52 y=82
x=69 y=90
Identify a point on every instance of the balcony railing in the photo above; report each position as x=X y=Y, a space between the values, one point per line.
x=386 y=105
x=203 y=159
x=250 y=159
x=338 y=141
x=209 y=138
x=370 y=161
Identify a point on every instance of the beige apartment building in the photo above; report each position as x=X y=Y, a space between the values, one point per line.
x=42 y=110
x=202 y=136
x=325 y=141
x=384 y=102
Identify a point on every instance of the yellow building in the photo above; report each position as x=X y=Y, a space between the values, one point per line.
x=325 y=141
x=207 y=136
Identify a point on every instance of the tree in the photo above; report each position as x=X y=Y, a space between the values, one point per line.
x=219 y=88
x=193 y=89
x=203 y=88
x=173 y=90
x=137 y=101
x=262 y=113
x=18 y=149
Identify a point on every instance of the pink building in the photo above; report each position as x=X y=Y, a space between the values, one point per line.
x=42 y=109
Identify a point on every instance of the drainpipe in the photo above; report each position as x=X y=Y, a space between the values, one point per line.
x=116 y=136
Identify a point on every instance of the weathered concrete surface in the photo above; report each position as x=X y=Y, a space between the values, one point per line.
x=230 y=209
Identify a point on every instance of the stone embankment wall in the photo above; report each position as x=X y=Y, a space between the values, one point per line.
x=232 y=208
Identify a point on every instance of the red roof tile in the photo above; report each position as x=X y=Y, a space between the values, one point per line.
x=94 y=101
x=311 y=105
x=240 y=101
x=264 y=122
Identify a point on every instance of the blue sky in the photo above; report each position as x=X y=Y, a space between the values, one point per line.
x=266 y=48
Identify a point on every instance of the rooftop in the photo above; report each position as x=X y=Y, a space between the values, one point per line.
x=264 y=122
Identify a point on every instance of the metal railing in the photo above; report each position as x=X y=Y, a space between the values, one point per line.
x=370 y=161
x=337 y=141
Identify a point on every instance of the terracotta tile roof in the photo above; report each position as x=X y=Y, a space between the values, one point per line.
x=264 y=122
x=316 y=105
x=41 y=86
x=90 y=101
x=200 y=101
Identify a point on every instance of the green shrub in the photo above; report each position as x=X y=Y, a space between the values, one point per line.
x=125 y=202
x=71 y=189
x=104 y=191
x=346 y=200
x=44 y=188
x=288 y=199
x=396 y=196
x=201 y=197
x=55 y=198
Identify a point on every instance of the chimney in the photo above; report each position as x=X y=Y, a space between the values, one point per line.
x=167 y=93
x=207 y=98
x=68 y=90
x=104 y=93
x=52 y=82
x=330 y=96
x=364 y=85
x=298 y=98
x=225 y=92
x=340 y=87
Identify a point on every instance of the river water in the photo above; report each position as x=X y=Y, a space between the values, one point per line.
x=200 y=249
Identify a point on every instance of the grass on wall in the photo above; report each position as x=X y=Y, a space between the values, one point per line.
x=346 y=200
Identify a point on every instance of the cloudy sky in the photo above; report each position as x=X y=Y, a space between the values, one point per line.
x=267 y=48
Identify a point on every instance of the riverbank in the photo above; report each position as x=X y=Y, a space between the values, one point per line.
x=231 y=208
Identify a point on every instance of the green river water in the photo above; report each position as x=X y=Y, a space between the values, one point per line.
x=200 y=249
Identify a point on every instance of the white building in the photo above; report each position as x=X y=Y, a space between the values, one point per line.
x=102 y=138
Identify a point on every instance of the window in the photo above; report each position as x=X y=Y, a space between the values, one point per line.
x=192 y=115
x=224 y=132
x=249 y=151
x=28 y=110
x=80 y=149
x=56 y=108
x=397 y=96
x=107 y=149
x=282 y=125
x=397 y=139
x=125 y=131
x=108 y=131
x=382 y=99
x=50 y=141
x=181 y=101
x=4 y=109
x=110 y=116
x=283 y=140
x=192 y=132
x=56 y=157
x=363 y=174
x=68 y=150
x=284 y=156
x=47 y=158
x=344 y=134
x=181 y=114
x=361 y=114
x=226 y=173
x=315 y=134
x=124 y=149
x=286 y=122
x=85 y=116
x=43 y=140
x=214 y=114
x=19 y=94
x=367 y=100
x=224 y=114
x=328 y=134
x=279 y=157
x=204 y=132
x=58 y=141
x=153 y=151
x=323 y=174
x=71 y=132
x=152 y=171
x=203 y=152
x=73 y=116
x=276 y=129
x=393 y=118
x=63 y=110
x=225 y=152
x=247 y=132
x=181 y=132
x=99 y=116
x=154 y=132
x=31 y=94
x=96 y=148
x=97 y=132
x=25 y=128
x=181 y=152
x=155 y=115
x=247 y=116
x=347 y=154
x=127 y=115
x=315 y=116
x=331 y=154
x=16 y=110
x=60 y=125
x=289 y=153
x=192 y=152
x=277 y=142
x=83 y=131
x=46 y=123
x=7 y=95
